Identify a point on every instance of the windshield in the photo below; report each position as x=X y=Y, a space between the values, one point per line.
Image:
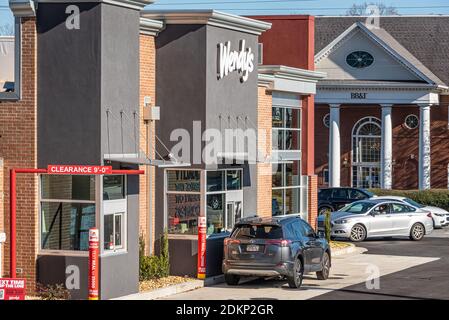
x=413 y=203
x=257 y=231
x=358 y=207
x=369 y=193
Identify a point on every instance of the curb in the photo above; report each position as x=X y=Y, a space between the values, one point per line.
x=344 y=251
x=164 y=292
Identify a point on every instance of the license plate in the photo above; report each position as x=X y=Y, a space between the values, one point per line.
x=252 y=248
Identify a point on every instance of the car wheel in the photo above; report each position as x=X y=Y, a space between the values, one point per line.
x=417 y=232
x=358 y=233
x=326 y=267
x=232 y=279
x=324 y=210
x=295 y=280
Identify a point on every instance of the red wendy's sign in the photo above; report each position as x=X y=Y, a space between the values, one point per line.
x=12 y=289
x=78 y=169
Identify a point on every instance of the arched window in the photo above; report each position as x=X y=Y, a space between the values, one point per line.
x=366 y=152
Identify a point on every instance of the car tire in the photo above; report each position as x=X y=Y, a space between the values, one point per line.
x=325 y=268
x=295 y=281
x=324 y=209
x=358 y=233
x=232 y=279
x=417 y=232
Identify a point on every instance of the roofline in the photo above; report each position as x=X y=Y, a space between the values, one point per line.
x=132 y=4
x=388 y=16
x=209 y=17
x=360 y=25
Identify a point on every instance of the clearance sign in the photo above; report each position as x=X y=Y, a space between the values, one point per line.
x=78 y=169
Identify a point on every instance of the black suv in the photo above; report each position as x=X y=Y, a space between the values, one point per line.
x=282 y=246
x=333 y=199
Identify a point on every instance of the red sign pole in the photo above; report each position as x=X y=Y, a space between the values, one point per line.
x=201 y=272
x=94 y=248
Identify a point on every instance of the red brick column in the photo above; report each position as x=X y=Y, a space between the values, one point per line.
x=312 y=200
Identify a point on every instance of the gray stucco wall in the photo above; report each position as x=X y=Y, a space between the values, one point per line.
x=69 y=86
x=81 y=74
x=230 y=97
x=188 y=90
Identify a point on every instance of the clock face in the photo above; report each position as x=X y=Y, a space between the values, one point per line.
x=360 y=59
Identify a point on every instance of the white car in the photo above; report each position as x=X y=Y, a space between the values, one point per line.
x=440 y=216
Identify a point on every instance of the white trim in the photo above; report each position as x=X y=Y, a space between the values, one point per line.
x=209 y=17
x=288 y=79
x=150 y=27
x=22 y=8
x=130 y=4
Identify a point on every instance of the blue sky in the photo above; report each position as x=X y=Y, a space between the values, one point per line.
x=314 y=7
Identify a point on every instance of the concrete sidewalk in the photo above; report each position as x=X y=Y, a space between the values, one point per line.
x=347 y=270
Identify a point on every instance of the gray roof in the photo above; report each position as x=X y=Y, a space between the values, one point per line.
x=422 y=40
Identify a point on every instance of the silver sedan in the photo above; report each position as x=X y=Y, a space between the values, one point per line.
x=378 y=218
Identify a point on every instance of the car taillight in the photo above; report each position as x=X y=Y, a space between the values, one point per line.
x=229 y=241
x=279 y=242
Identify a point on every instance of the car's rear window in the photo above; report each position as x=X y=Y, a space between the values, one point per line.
x=251 y=231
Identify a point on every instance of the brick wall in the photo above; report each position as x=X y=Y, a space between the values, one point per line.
x=18 y=150
x=147 y=88
x=264 y=170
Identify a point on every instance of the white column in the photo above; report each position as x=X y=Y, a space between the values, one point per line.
x=424 y=146
x=387 y=148
x=334 y=146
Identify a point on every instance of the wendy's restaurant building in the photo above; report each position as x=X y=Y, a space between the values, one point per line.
x=239 y=123
x=217 y=132
x=382 y=112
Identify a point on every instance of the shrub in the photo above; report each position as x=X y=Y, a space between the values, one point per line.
x=327 y=226
x=434 y=197
x=155 y=266
x=52 y=292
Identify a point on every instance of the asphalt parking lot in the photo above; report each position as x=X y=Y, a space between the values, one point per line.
x=406 y=270
x=425 y=281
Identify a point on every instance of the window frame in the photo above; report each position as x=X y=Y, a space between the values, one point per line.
x=283 y=130
x=122 y=247
x=17 y=94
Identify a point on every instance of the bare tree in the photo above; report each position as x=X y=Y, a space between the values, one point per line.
x=360 y=9
x=6 y=30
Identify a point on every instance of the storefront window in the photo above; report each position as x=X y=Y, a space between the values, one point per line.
x=287 y=188
x=215 y=213
x=223 y=197
x=183 y=211
x=183 y=180
x=286 y=134
x=67 y=211
x=215 y=180
x=183 y=201
x=113 y=187
x=233 y=179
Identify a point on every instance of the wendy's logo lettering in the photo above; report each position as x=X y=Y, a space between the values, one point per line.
x=229 y=61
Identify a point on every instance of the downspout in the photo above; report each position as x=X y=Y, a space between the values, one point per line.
x=149 y=194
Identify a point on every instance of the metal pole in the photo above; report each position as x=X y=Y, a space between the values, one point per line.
x=12 y=222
